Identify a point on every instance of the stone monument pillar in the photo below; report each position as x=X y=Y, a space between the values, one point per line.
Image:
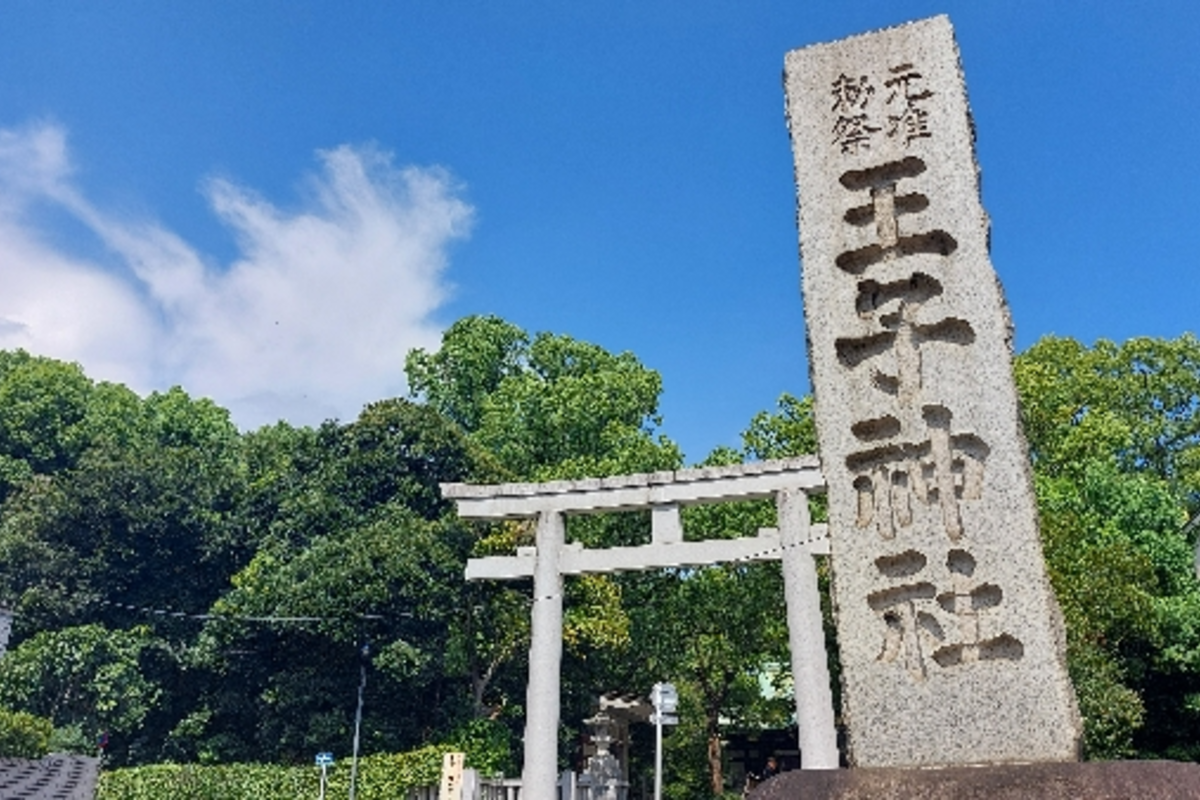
x=951 y=640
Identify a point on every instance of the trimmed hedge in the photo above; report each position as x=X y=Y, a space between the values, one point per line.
x=380 y=777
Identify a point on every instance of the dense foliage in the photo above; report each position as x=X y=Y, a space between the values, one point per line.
x=1114 y=434
x=205 y=596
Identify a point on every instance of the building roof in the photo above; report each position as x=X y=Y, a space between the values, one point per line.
x=54 y=777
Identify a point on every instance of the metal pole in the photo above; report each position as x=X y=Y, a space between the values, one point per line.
x=362 y=684
x=658 y=755
x=322 y=795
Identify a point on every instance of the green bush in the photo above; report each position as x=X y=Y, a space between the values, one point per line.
x=72 y=739
x=23 y=735
x=488 y=745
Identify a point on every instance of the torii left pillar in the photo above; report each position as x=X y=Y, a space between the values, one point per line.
x=543 y=693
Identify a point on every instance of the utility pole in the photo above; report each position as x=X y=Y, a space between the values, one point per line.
x=362 y=684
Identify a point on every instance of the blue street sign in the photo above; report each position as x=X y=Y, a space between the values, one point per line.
x=324 y=759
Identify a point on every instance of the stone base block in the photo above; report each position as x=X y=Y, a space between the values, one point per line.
x=1112 y=780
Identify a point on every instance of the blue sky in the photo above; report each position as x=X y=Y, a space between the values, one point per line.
x=270 y=202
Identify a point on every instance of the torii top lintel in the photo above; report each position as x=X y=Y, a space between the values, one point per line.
x=752 y=481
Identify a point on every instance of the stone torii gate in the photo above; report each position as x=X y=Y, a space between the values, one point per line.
x=794 y=541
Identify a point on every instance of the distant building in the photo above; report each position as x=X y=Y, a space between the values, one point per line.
x=55 y=777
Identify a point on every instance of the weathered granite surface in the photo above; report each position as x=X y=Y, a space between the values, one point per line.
x=951 y=640
x=1117 y=780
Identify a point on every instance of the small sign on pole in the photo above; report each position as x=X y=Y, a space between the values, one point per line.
x=665 y=699
x=324 y=761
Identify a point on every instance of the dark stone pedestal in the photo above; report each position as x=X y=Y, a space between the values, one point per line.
x=1111 y=780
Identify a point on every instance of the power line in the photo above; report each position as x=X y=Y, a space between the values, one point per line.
x=162 y=612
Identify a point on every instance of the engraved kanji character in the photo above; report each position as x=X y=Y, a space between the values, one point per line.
x=885 y=209
x=896 y=307
x=971 y=601
x=925 y=627
x=944 y=468
x=854 y=132
x=853 y=127
x=908 y=611
x=912 y=121
x=912 y=631
x=850 y=95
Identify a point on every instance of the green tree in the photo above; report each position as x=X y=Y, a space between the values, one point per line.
x=145 y=518
x=1137 y=403
x=136 y=528
x=1113 y=432
x=43 y=416
x=788 y=431
x=477 y=353
x=290 y=633
x=86 y=676
x=353 y=548
x=720 y=632
x=548 y=406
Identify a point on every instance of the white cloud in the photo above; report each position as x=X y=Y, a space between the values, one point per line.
x=312 y=320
